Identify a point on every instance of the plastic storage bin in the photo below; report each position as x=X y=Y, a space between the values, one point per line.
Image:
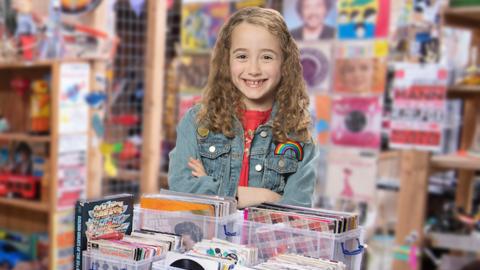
x=92 y=261
x=269 y=239
x=196 y=226
x=272 y=240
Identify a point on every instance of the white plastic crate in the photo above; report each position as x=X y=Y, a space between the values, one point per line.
x=93 y=261
x=269 y=239
x=203 y=227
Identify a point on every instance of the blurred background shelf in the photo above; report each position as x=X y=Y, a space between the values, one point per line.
x=463 y=90
x=21 y=203
x=456 y=162
x=468 y=243
x=24 y=137
x=468 y=17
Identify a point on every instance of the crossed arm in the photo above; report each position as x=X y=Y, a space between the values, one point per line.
x=247 y=196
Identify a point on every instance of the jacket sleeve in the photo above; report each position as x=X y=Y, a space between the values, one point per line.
x=179 y=174
x=300 y=185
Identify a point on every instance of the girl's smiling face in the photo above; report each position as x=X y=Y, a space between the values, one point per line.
x=255 y=65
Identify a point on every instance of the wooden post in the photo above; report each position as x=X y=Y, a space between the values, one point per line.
x=153 y=98
x=412 y=200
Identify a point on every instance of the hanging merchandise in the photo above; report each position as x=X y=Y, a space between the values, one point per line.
x=76 y=7
x=137 y=6
x=107 y=151
x=125 y=119
x=97 y=124
x=96 y=99
x=129 y=151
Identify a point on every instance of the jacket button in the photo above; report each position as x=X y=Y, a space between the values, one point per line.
x=281 y=163
x=263 y=134
x=211 y=149
x=258 y=167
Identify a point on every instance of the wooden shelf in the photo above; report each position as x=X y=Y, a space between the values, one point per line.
x=24 y=137
x=26 y=204
x=43 y=63
x=456 y=162
x=125 y=175
x=463 y=90
x=468 y=243
x=468 y=17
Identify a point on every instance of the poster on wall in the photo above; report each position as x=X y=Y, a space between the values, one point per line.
x=356 y=121
x=419 y=106
x=351 y=174
x=201 y=23
x=74 y=87
x=317 y=66
x=366 y=19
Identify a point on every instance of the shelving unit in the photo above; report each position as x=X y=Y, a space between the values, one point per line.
x=455 y=162
x=48 y=212
x=417 y=166
x=467 y=17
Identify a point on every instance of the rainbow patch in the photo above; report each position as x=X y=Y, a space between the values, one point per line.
x=282 y=148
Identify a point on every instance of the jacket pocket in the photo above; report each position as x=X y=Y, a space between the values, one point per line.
x=214 y=158
x=277 y=169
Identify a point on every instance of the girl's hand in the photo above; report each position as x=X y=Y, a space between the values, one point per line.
x=197 y=167
x=249 y=196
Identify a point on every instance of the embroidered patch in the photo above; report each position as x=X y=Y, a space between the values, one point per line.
x=282 y=148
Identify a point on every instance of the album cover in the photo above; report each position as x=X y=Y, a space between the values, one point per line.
x=201 y=23
x=351 y=175
x=310 y=20
x=418 y=107
x=322 y=108
x=107 y=218
x=363 y=19
x=317 y=66
x=356 y=121
x=360 y=67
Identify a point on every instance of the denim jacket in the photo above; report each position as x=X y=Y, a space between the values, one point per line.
x=222 y=160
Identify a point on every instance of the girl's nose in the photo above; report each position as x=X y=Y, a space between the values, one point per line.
x=254 y=68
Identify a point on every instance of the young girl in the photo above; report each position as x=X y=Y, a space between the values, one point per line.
x=250 y=136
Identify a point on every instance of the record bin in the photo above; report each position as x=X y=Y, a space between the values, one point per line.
x=93 y=261
x=270 y=239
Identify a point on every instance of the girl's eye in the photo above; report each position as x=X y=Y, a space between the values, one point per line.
x=267 y=57
x=241 y=56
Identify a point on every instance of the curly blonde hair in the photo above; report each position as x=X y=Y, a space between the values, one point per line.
x=292 y=119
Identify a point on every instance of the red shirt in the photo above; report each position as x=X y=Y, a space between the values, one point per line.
x=250 y=121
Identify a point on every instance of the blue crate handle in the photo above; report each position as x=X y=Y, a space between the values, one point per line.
x=352 y=252
x=227 y=233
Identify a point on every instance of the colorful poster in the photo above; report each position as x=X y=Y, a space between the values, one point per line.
x=351 y=175
x=317 y=66
x=418 y=109
x=356 y=121
x=360 y=67
x=201 y=23
x=363 y=19
x=192 y=73
x=74 y=87
x=310 y=20
x=72 y=178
